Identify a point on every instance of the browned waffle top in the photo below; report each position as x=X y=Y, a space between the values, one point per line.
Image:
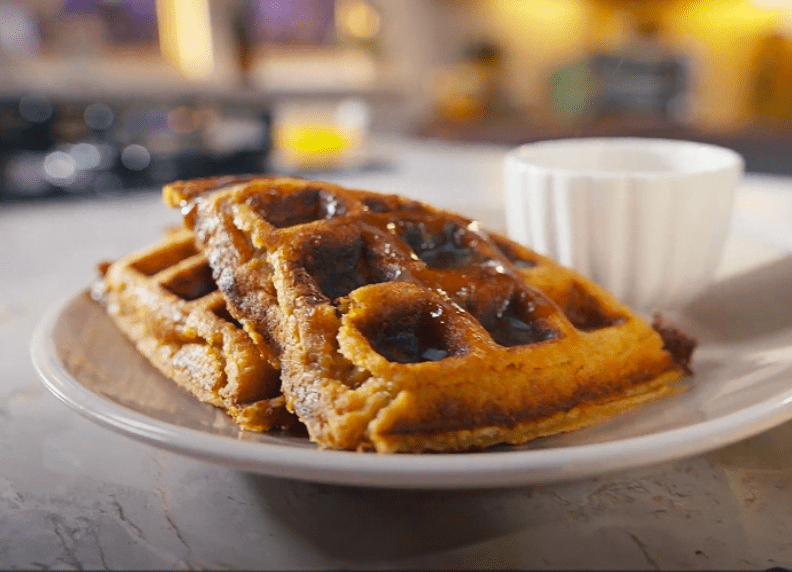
x=401 y=327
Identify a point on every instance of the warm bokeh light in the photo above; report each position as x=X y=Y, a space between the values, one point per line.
x=185 y=33
x=538 y=36
x=724 y=37
x=720 y=40
x=358 y=19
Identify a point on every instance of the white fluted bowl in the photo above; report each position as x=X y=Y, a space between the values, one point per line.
x=645 y=218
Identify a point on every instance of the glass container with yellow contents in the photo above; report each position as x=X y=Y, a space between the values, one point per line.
x=318 y=135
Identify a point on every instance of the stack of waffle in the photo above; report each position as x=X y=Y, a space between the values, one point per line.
x=164 y=300
x=378 y=322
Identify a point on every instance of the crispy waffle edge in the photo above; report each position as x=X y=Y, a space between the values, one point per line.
x=187 y=340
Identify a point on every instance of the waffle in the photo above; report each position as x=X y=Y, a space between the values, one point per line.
x=164 y=300
x=404 y=328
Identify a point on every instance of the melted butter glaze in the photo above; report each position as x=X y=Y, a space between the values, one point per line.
x=414 y=336
x=306 y=205
x=453 y=259
x=402 y=240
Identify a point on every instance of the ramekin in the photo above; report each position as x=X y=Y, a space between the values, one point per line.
x=645 y=218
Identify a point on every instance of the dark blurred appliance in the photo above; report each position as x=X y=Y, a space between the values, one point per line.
x=68 y=147
x=644 y=78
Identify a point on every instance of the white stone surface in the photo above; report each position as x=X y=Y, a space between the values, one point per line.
x=76 y=496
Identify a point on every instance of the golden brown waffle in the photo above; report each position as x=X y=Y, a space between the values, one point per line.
x=401 y=327
x=164 y=300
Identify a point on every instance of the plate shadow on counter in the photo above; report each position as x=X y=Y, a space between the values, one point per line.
x=752 y=305
x=365 y=524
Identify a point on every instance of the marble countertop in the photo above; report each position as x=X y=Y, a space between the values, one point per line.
x=76 y=496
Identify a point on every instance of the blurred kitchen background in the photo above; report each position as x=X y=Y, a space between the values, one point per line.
x=108 y=96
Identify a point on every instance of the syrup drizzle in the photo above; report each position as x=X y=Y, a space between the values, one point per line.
x=414 y=337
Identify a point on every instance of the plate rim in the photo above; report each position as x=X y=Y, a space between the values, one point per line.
x=439 y=471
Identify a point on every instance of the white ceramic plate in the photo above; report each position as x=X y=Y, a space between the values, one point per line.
x=743 y=386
